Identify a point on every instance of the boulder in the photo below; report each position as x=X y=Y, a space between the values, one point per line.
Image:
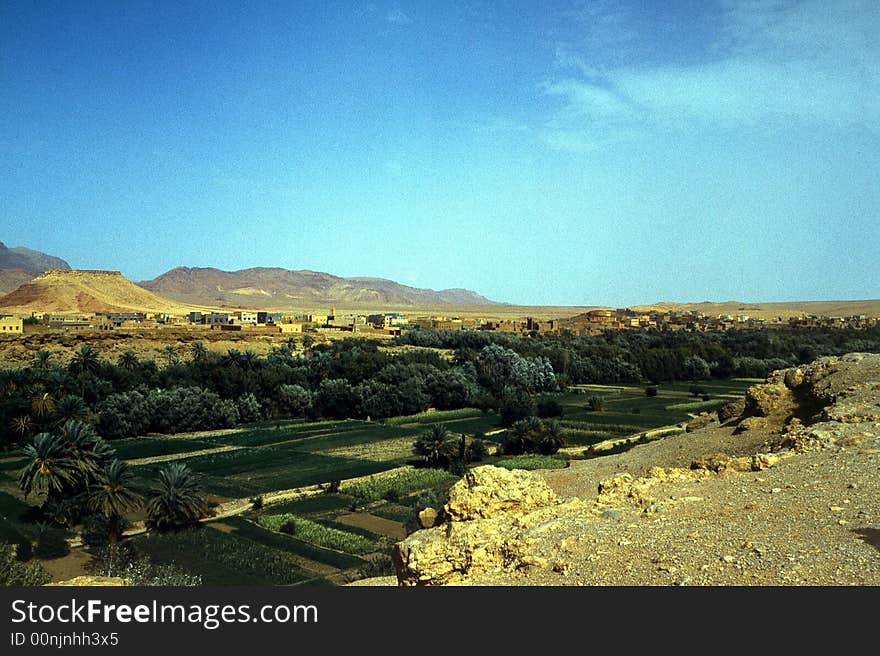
x=730 y=410
x=486 y=492
x=751 y=423
x=769 y=399
x=700 y=421
x=428 y=517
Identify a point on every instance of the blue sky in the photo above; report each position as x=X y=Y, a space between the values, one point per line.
x=537 y=152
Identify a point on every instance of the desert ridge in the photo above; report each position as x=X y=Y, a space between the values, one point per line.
x=60 y=290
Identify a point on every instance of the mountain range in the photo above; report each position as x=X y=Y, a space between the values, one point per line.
x=276 y=287
x=19 y=265
x=25 y=287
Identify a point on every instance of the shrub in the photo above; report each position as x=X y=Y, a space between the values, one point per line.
x=597 y=403
x=696 y=390
x=651 y=391
x=24 y=550
x=378 y=565
x=256 y=502
x=51 y=543
x=15 y=572
x=96 y=529
x=547 y=407
x=120 y=560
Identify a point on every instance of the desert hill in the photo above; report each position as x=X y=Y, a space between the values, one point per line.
x=780 y=488
x=283 y=288
x=85 y=291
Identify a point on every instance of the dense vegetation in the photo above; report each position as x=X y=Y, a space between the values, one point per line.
x=355 y=378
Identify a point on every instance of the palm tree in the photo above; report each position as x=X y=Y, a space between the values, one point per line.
x=43 y=406
x=69 y=408
x=435 y=446
x=177 y=500
x=42 y=360
x=114 y=496
x=22 y=425
x=127 y=360
x=49 y=468
x=85 y=450
x=85 y=362
x=170 y=353
x=552 y=439
x=198 y=351
x=523 y=436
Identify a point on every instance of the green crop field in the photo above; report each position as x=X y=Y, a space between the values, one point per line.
x=291 y=544
x=222 y=558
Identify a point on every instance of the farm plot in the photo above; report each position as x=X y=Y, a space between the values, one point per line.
x=222 y=558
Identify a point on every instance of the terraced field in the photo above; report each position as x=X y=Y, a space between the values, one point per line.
x=341 y=536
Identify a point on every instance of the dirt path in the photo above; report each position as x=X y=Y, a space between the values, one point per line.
x=179 y=456
x=374 y=524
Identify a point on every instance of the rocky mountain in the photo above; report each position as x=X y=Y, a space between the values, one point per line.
x=84 y=291
x=779 y=488
x=276 y=287
x=26 y=259
x=19 y=265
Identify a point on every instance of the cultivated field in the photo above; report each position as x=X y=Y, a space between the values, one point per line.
x=305 y=533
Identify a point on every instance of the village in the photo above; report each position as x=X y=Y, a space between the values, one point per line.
x=390 y=324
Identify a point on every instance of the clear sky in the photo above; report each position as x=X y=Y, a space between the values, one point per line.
x=537 y=152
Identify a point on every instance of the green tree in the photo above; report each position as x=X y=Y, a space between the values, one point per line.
x=435 y=446
x=43 y=360
x=69 y=408
x=170 y=353
x=22 y=426
x=198 y=350
x=85 y=363
x=43 y=406
x=552 y=439
x=49 y=468
x=113 y=496
x=177 y=500
x=127 y=360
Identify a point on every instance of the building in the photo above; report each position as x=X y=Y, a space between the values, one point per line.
x=269 y=317
x=11 y=326
x=246 y=317
x=215 y=318
x=285 y=328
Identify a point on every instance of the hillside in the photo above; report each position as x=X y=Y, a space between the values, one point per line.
x=26 y=259
x=84 y=291
x=778 y=489
x=11 y=279
x=283 y=288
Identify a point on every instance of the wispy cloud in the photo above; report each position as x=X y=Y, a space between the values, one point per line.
x=812 y=63
x=397 y=17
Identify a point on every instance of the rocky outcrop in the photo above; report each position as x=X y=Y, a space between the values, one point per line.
x=506 y=527
x=486 y=492
x=91 y=581
x=492 y=516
